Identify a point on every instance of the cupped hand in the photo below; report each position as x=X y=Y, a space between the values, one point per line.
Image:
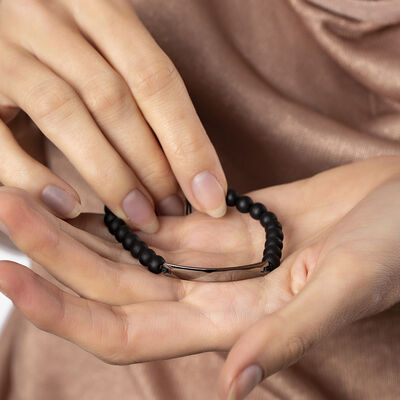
x=340 y=263
x=95 y=82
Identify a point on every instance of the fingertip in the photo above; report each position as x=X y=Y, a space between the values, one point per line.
x=245 y=382
x=209 y=194
x=298 y=276
x=151 y=227
x=61 y=201
x=218 y=212
x=12 y=280
x=140 y=211
x=171 y=206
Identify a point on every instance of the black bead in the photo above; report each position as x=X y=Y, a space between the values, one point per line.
x=129 y=240
x=108 y=218
x=275 y=232
x=273 y=260
x=108 y=211
x=269 y=268
x=274 y=241
x=231 y=197
x=267 y=218
x=122 y=231
x=273 y=225
x=273 y=249
x=155 y=264
x=243 y=204
x=137 y=248
x=114 y=225
x=145 y=256
x=257 y=209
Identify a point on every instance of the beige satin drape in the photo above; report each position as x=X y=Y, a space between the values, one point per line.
x=285 y=89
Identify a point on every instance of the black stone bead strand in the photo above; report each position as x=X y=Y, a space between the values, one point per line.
x=274 y=243
x=131 y=242
x=147 y=257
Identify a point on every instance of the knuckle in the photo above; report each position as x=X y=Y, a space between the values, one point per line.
x=24 y=11
x=14 y=206
x=186 y=147
x=153 y=77
x=54 y=320
x=42 y=241
x=51 y=101
x=106 y=94
x=158 y=178
x=116 y=350
x=25 y=4
x=296 y=349
x=16 y=211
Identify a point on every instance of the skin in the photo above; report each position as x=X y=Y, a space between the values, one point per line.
x=113 y=107
x=327 y=254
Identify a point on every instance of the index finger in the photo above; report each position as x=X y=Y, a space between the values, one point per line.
x=162 y=97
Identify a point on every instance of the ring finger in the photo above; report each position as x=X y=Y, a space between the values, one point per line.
x=59 y=112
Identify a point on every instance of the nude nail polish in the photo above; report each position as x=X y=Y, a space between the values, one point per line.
x=209 y=193
x=140 y=212
x=60 y=201
x=247 y=380
x=171 y=205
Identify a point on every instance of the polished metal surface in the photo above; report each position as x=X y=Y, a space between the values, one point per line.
x=223 y=274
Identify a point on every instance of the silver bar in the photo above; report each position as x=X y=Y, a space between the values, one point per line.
x=223 y=274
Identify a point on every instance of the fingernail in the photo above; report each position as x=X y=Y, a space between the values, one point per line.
x=245 y=382
x=4 y=229
x=171 y=205
x=209 y=193
x=61 y=201
x=140 y=212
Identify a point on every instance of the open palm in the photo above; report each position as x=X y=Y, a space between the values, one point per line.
x=123 y=314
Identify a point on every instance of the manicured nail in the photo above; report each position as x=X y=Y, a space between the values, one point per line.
x=138 y=209
x=245 y=382
x=4 y=229
x=209 y=193
x=61 y=201
x=171 y=205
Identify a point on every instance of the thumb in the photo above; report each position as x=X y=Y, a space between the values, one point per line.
x=335 y=294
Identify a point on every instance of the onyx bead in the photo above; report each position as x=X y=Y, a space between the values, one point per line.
x=273 y=249
x=267 y=218
x=273 y=225
x=275 y=233
x=137 y=248
x=129 y=240
x=108 y=218
x=274 y=240
x=145 y=256
x=122 y=231
x=257 y=209
x=273 y=260
x=155 y=264
x=114 y=225
x=108 y=211
x=231 y=197
x=243 y=204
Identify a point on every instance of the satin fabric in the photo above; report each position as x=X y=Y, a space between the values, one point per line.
x=285 y=89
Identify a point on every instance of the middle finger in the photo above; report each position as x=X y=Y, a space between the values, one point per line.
x=109 y=100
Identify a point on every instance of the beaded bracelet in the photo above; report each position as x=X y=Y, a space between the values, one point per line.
x=156 y=264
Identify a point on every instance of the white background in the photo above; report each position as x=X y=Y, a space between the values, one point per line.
x=8 y=252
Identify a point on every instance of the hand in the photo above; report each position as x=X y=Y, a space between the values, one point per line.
x=126 y=314
x=97 y=85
